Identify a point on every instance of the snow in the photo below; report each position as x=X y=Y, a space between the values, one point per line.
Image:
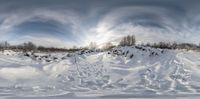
x=123 y=72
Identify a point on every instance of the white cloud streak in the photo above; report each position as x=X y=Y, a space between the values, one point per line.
x=149 y=23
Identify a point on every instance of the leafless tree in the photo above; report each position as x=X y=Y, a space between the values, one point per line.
x=92 y=45
x=128 y=41
x=108 y=46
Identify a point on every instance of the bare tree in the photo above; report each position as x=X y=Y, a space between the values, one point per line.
x=108 y=46
x=4 y=45
x=92 y=45
x=132 y=40
x=128 y=41
x=29 y=47
x=122 y=42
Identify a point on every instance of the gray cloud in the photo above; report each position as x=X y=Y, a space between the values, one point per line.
x=77 y=22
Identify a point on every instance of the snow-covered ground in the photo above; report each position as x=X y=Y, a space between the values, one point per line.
x=123 y=72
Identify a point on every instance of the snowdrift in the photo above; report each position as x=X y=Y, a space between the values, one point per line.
x=134 y=71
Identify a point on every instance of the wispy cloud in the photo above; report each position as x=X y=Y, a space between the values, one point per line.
x=72 y=23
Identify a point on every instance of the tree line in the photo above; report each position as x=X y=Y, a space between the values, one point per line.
x=31 y=47
x=128 y=40
x=131 y=41
x=174 y=45
x=125 y=41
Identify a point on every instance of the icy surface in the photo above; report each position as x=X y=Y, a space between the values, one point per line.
x=124 y=72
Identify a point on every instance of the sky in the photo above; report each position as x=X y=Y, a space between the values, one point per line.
x=64 y=23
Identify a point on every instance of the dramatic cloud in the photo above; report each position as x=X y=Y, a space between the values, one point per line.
x=65 y=23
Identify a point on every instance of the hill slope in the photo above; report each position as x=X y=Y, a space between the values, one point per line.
x=123 y=71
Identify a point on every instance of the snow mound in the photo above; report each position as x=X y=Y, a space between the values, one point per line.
x=134 y=70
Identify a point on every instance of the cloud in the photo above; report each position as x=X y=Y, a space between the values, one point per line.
x=78 y=23
x=148 y=23
x=46 y=41
x=41 y=21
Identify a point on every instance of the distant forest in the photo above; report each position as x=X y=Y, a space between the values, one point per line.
x=31 y=47
x=125 y=41
x=130 y=40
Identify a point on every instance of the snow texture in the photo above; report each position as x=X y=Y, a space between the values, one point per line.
x=123 y=72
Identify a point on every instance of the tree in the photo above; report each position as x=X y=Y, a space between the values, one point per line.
x=122 y=42
x=92 y=45
x=133 y=41
x=108 y=46
x=128 y=41
x=74 y=47
x=30 y=47
x=4 y=45
x=174 y=45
